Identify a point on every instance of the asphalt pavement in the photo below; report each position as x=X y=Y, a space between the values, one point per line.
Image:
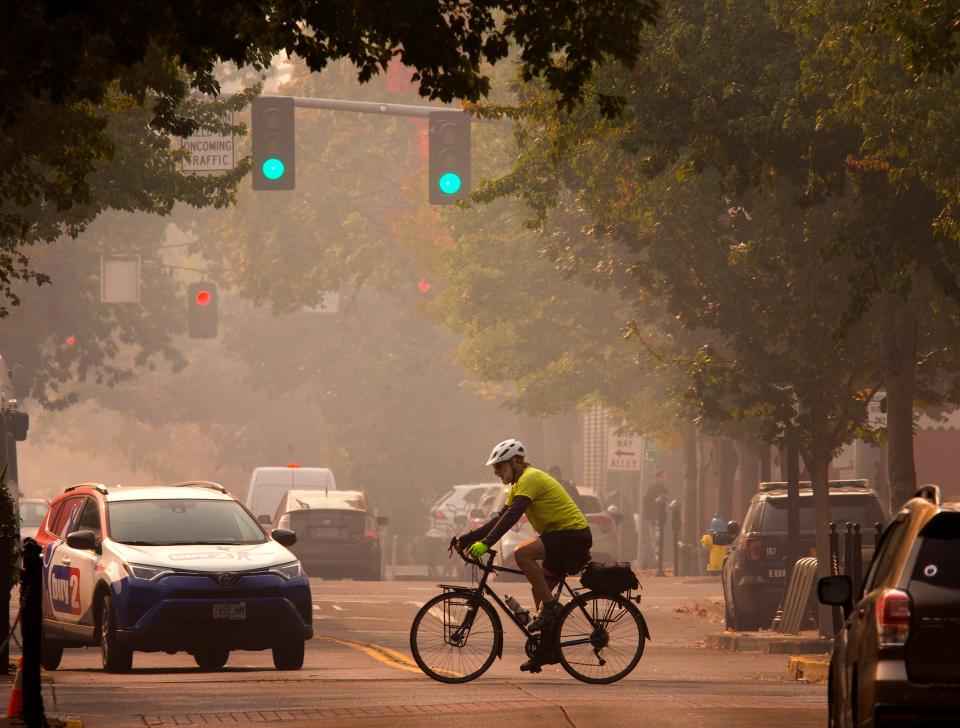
x=358 y=671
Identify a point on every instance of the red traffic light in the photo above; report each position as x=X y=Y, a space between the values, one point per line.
x=424 y=285
x=71 y=340
x=203 y=298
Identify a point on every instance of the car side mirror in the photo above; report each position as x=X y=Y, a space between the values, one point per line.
x=82 y=540
x=284 y=537
x=264 y=518
x=733 y=528
x=615 y=514
x=477 y=513
x=836 y=591
x=383 y=521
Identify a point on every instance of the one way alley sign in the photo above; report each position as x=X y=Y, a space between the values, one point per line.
x=624 y=450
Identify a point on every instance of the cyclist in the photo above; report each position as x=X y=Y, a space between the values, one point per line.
x=564 y=541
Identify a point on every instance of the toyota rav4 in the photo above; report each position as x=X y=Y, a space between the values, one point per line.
x=168 y=568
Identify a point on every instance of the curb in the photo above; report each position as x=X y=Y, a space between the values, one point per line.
x=808 y=669
x=769 y=644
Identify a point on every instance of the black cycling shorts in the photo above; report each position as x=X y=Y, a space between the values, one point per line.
x=567 y=551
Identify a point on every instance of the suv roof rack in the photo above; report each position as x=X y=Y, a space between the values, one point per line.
x=200 y=484
x=96 y=486
x=861 y=483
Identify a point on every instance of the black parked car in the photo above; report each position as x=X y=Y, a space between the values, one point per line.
x=753 y=571
x=895 y=660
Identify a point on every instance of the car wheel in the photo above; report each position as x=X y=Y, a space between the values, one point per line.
x=116 y=657
x=212 y=658
x=51 y=652
x=288 y=655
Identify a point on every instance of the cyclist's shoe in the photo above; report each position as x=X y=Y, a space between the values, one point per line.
x=530 y=665
x=548 y=613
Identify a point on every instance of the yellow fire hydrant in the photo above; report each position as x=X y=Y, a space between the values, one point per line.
x=718 y=551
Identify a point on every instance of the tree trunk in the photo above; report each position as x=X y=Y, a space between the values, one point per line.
x=690 y=484
x=726 y=475
x=765 y=469
x=821 y=452
x=749 y=476
x=899 y=377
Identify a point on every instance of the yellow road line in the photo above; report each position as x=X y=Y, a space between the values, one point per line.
x=386 y=655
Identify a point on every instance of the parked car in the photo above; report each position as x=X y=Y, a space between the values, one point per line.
x=894 y=661
x=168 y=569
x=753 y=571
x=267 y=486
x=32 y=511
x=337 y=536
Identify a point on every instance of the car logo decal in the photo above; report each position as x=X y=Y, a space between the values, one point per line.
x=227 y=579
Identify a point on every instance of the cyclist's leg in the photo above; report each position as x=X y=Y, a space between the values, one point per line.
x=528 y=555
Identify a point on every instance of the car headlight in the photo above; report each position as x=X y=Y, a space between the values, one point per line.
x=146 y=573
x=288 y=571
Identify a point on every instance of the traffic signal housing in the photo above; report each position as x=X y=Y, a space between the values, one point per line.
x=274 y=148
x=202 y=301
x=449 y=157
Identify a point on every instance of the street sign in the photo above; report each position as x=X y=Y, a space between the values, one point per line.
x=877 y=410
x=623 y=450
x=119 y=279
x=210 y=151
x=651 y=452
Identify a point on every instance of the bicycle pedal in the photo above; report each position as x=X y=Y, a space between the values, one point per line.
x=530 y=666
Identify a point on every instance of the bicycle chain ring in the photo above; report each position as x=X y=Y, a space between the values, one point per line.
x=532 y=648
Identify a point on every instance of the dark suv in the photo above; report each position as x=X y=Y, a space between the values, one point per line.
x=753 y=571
x=894 y=661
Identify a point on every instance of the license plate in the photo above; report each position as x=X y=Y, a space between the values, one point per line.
x=232 y=612
x=327 y=532
x=776 y=573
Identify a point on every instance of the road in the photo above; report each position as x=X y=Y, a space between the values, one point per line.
x=358 y=672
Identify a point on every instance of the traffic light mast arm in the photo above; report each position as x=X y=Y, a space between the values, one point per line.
x=373 y=107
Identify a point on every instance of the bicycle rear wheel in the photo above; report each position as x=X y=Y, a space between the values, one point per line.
x=452 y=642
x=600 y=637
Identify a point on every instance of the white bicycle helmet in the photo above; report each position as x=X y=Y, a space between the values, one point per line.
x=506 y=450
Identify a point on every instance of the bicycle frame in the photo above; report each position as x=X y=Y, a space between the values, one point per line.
x=483 y=589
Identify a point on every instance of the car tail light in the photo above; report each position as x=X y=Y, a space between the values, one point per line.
x=893 y=617
x=369 y=535
x=601 y=521
x=753 y=547
x=439 y=515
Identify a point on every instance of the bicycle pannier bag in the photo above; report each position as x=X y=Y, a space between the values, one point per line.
x=609 y=577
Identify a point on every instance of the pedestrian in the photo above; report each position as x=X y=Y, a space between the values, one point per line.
x=650 y=522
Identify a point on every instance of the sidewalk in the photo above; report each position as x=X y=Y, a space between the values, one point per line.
x=805 y=643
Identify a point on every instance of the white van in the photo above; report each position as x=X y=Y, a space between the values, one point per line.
x=268 y=486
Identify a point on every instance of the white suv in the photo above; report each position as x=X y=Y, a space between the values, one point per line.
x=168 y=568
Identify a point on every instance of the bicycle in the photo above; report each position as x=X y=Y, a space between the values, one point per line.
x=597 y=637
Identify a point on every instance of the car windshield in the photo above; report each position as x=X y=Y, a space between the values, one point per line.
x=168 y=522
x=862 y=509
x=32 y=513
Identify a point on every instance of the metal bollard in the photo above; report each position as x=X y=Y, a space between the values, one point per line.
x=31 y=619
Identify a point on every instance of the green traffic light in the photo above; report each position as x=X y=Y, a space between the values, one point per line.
x=273 y=168
x=449 y=183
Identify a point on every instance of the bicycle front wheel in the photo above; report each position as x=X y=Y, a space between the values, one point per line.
x=453 y=642
x=600 y=637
